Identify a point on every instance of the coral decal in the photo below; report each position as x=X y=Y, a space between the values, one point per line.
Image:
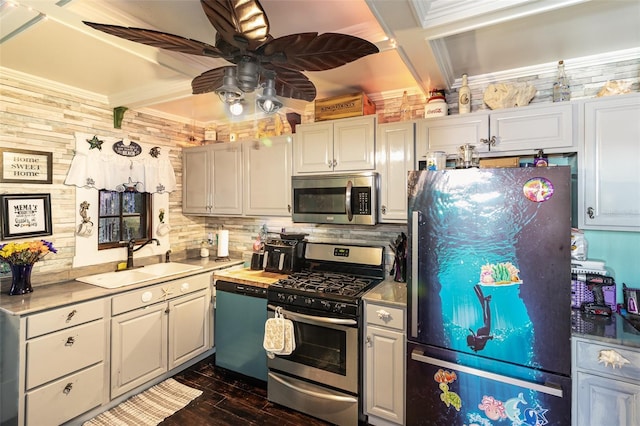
x=493 y=408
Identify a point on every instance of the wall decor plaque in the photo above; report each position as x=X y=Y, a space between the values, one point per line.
x=25 y=215
x=131 y=149
x=25 y=166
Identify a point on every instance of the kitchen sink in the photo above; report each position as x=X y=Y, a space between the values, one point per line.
x=127 y=277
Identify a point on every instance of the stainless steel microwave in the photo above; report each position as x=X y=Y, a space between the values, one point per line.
x=336 y=198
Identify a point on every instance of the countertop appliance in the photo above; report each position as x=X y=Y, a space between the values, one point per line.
x=241 y=311
x=335 y=198
x=283 y=255
x=489 y=323
x=323 y=376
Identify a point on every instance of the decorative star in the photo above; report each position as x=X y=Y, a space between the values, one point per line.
x=155 y=152
x=95 y=143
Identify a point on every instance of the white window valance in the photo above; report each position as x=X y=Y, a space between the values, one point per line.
x=96 y=165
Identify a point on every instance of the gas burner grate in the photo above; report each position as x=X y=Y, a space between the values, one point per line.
x=326 y=282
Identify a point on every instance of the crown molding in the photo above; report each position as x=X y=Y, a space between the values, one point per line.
x=52 y=85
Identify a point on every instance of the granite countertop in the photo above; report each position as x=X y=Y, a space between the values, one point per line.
x=614 y=329
x=248 y=276
x=67 y=292
x=389 y=292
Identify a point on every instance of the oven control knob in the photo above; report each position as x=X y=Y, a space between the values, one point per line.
x=308 y=301
x=291 y=298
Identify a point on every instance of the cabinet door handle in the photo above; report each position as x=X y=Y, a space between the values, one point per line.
x=70 y=341
x=383 y=315
x=383 y=209
x=166 y=311
x=335 y=162
x=67 y=388
x=289 y=208
x=71 y=315
x=490 y=142
x=368 y=341
x=330 y=164
x=590 y=212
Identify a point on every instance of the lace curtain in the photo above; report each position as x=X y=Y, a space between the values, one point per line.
x=96 y=165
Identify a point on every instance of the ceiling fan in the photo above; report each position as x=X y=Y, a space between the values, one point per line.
x=242 y=38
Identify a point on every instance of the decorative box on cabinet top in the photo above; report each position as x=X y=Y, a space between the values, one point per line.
x=343 y=106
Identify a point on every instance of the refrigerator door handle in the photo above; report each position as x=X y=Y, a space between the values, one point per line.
x=550 y=389
x=415 y=221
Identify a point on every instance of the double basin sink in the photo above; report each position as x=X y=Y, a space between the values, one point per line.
x=138 y=275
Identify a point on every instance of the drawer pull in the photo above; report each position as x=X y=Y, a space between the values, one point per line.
x=71 y=315
x=383 y=315
x=609 y=356
x=70 y=341
x=67 y=388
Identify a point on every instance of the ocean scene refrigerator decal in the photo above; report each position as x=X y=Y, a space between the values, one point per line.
x=489 y=322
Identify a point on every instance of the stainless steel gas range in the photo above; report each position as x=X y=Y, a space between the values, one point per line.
x=323 y=376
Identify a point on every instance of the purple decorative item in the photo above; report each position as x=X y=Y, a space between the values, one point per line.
x=20 y=279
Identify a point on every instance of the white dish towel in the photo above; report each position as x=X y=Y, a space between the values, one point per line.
x=279 y=337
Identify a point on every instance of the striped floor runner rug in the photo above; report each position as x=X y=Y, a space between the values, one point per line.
x=149 y=407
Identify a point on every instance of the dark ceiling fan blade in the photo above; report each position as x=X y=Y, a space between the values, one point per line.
x=293 y=84
x=313 y=52
x=160 y=40
x=208 y=81
x=241 y=23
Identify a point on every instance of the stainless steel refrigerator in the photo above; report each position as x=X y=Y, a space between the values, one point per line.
x=489 y=323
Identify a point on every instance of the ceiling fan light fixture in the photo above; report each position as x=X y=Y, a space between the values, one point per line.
x=268 y=102
x=236 y=108
x=229 y=91
x=247 y=75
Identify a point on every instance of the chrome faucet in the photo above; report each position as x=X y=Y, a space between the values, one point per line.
x=131 y=250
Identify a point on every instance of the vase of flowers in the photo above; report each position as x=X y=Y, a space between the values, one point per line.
x=21 y=257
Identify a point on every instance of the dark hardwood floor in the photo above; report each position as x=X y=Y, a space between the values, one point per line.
x=231 y=399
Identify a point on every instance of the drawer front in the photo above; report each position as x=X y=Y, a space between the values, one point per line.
x=609 y=360
x=66 y=398
x=63 y=352
x=61 y=318
x=158 y=293
x=385 y=316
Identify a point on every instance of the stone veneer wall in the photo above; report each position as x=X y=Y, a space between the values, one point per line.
x=40 y=119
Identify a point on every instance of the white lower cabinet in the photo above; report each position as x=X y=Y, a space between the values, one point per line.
x=606 y=384
x=59 y=364
x=157 y=328
x=53 y=364
x=384 y=359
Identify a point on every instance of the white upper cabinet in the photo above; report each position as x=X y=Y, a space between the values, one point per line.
x=609 y=197
x=510 y=131
x=335 y=146
x=547 y=127
x=449 y=133
x=267 y=180
x=212 y=179
x=394 y=159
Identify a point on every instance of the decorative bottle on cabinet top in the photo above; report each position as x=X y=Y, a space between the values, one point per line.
x=405 y=108
x=561 y=91
x=464 y=96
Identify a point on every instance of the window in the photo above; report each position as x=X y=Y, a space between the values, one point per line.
x=123 y=216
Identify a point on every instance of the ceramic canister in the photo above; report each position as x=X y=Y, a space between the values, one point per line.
x=435 y=107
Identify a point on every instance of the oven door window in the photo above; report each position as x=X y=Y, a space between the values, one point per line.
x=320 y=347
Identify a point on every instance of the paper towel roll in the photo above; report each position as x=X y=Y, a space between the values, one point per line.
x=223 y=243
